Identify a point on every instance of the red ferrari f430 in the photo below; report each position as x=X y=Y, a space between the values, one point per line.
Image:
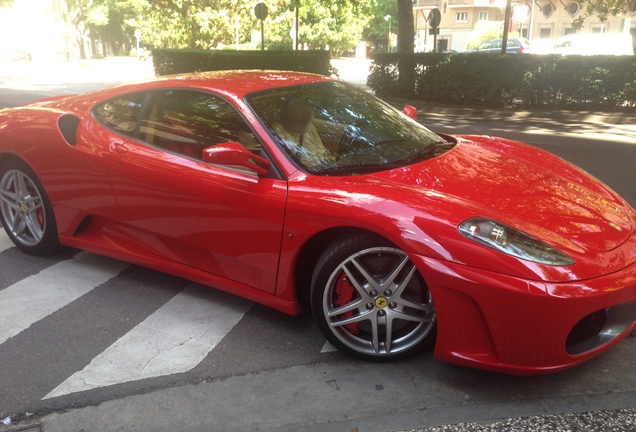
x=297 y=190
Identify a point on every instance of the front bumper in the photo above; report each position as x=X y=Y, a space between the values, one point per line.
x=500 y=323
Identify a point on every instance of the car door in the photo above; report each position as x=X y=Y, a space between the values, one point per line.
x=513 y=46
x=221 y=220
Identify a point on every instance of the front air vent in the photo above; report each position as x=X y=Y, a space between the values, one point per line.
x=600 y=328
x=68 y=126
x=587 y=328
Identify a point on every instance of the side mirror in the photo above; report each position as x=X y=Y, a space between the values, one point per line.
x=410 y=111
x=234 y=154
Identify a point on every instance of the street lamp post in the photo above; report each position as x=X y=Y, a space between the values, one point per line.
x=138 y=35
x=388 y=18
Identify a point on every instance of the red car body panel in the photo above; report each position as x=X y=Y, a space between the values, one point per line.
x=248 y=235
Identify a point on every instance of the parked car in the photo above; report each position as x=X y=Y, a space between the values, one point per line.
x=595 y=44
x=297 y=190
x=514 y=46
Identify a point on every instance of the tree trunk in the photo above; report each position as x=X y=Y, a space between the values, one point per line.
x=406 y=31
x=406 y=36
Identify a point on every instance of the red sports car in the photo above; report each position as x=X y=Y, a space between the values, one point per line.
x=297 y=190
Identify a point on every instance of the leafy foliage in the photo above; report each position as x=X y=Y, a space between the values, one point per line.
x=108 y=21
x=207 y=23
x=603 y=9
x=377 y=29
x=532 y=81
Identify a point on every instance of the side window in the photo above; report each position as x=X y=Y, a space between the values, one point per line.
x=120 y=114
x=485 y=45
x=186 y=122
x=513 y=44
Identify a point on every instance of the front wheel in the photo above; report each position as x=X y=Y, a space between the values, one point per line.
x=370 y=301
x=25 y=209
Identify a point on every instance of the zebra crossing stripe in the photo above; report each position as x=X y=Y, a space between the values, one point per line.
x=5 y=241
x=327 y=347
x=40 y=295
x=174 y=339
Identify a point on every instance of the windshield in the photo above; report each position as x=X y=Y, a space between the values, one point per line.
x=333 y=128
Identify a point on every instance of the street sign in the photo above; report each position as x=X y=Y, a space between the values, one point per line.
x=434 y=18
x=237 y=22
x=137 y=33
x=520 y=13
x=260 y=10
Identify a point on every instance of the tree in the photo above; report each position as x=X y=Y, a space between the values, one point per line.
x=109 y=22
x=191 y=23
x=207 y=23
x=74 y=13
x=338 y=24
x=406 y=36
x=6 y=3
x=603 y=9
x=406 y=30
x=377 y=29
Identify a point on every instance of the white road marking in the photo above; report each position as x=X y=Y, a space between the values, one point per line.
x=327 y=347
x=38 y=296
x=5 y=241
x=174 y=339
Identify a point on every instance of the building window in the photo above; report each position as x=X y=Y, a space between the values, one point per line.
x=483 y=16
x=545 y=33
x=461 y=17
x=569 y=31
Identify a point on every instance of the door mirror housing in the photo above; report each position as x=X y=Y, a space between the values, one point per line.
x=410 y=111
x=234 y=154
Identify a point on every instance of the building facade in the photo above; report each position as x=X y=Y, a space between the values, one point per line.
x=543 y=19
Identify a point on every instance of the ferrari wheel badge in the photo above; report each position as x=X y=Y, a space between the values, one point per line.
x=381 y=302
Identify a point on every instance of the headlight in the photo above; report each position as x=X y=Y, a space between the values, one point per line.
x=511 y=241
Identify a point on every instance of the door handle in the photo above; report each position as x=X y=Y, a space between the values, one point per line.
x=118 y=148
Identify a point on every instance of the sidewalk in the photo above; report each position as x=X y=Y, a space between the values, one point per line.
x=368 y=397
x=355 y=71
x=514 y=115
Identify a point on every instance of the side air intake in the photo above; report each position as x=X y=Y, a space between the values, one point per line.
x=68 y=126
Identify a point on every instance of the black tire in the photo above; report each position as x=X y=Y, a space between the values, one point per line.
x=376 y=288
x=31 y=240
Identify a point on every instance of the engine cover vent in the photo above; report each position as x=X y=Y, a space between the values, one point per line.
x=68 y=126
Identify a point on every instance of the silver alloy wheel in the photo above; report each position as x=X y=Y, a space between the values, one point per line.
x=22 y=207
x=387 y=306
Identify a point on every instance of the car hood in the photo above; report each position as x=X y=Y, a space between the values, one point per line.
x=524 y=187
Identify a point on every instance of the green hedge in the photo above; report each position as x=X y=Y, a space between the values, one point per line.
x=598 y=83
x=174 y=61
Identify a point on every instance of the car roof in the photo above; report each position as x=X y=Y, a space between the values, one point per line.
x=236 y=82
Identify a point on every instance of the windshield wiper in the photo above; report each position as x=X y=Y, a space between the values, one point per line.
x=427 y=151
x=357 y=168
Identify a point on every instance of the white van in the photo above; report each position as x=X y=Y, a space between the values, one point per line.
x=595 y=43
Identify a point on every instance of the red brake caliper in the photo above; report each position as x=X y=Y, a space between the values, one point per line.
x=344 y=295
x=41 y=217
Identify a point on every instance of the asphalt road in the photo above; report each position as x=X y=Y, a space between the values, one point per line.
x=93 y=343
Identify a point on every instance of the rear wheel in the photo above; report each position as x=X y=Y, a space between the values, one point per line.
x=25 y=209
x=370 y=301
